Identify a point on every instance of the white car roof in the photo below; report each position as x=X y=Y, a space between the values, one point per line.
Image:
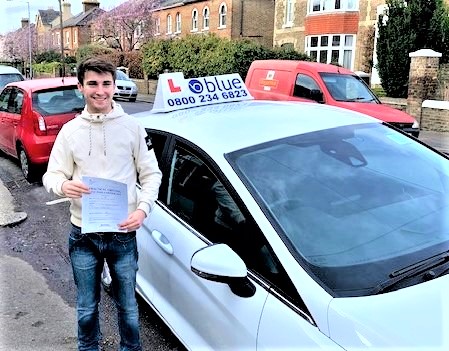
x=231 y=126
x=8 y=70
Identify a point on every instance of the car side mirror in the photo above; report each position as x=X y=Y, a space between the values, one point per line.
x=219 y=263
x=316 y=95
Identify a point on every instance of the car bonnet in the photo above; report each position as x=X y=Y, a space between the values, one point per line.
x=412 y=318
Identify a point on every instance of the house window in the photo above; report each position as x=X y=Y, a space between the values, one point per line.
x=335 y=48
x=178 y=23
x=194 y=20
x=67 y=38
x=288 y=16
x=169 y=27
x=75 y=37
x=157 y=26
x=332 y=5
x=58 y=38
x=206 y=18
x=222 y=16
x=138 y=31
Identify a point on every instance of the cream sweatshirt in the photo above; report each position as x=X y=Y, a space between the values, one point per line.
x=112 y=146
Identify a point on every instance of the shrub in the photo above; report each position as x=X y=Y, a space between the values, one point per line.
x=204 y=55
x=91 y=50
x=47 y=56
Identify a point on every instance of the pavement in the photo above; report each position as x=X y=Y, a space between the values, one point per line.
x=32 y=317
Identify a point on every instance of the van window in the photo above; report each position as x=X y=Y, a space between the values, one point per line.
x=305 y=86
x=347 y=87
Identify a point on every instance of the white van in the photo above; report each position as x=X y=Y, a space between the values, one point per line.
x=9 y=74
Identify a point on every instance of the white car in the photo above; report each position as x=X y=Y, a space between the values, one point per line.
x=125 y=88
x=292 y=226
x=9 y=74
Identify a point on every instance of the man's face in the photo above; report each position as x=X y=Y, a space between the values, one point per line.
x=98 y=90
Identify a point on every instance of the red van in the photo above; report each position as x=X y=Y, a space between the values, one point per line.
x=322 y=83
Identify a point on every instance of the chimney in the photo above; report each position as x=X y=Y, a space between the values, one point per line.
x=24 y=22
x=66 y=10
x=90 y=4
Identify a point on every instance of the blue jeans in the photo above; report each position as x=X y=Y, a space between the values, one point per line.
x=87 y=253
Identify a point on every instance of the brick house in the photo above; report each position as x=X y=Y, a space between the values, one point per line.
x=341 y=31
x=44 y=20
x=77 y=29
x=231 y=19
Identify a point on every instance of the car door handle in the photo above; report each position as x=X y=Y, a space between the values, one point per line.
x=162 y=241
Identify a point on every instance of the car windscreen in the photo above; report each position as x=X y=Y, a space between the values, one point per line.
x=59 y=100
x=6 y=78
x=347 y=87
x=121 y=76
x=353 y=203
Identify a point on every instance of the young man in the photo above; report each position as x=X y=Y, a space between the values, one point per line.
x=105 y=142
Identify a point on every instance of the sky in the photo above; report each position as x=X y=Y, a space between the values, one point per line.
x=14 y=10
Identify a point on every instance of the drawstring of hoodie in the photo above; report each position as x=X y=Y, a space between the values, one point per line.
x=90 y=136
x=95 y=118
x=104 y=139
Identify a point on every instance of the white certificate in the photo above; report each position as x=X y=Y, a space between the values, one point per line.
x=105 y=207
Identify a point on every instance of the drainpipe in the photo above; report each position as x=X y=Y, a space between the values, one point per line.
x=241 y=18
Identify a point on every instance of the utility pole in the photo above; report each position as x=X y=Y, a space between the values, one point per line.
x=62 y=39
x=29 y=41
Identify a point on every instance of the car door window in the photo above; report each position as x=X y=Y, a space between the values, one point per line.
x=16 y=101
x=157 y=141
x=4 y=98
x=305 y=87
x=203 y=200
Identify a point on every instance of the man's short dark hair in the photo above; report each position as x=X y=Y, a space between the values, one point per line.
x=95 y=65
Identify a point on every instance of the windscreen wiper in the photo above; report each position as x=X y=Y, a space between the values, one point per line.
x=414 y=269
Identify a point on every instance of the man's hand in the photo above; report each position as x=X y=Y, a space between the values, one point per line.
x=134 y=221
x=74 y=189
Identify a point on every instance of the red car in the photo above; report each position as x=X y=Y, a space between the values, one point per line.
x=31 y=114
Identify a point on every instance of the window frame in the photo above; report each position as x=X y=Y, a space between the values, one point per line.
x=194 y=27
x=346 y=53
x=288 y=14
x=178 y=23
x=157 y=26
x=319 y=6
x=206 y=18
x=169 y=29
x=222 y=14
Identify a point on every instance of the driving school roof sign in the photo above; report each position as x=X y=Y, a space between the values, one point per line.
x=174 y=92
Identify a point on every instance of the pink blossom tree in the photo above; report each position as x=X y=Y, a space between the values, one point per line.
x=17 y=43
x=126 y=26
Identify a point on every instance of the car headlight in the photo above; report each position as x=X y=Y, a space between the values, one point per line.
x=415 y=124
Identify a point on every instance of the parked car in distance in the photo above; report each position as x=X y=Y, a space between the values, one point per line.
x=323 y=83
x=291 y=225
x=9 y=74
x=125 y=88
x=31 y=114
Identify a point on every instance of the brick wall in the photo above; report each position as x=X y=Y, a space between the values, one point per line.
x=345 y=22
x=256 y=23
x=423 y=84
x=435 y=119
x=146 y=86
x=442 y=92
